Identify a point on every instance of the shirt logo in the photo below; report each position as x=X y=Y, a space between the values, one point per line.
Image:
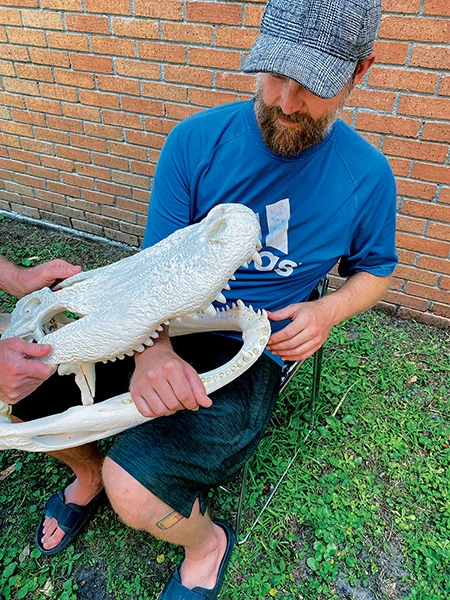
x=278 y=215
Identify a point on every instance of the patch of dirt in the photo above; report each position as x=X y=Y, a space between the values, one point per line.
x=92 y=583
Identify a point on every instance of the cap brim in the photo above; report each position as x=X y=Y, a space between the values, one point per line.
x=322 y=74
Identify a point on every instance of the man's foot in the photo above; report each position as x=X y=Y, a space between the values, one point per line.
x=193 y=581
x=50 y=534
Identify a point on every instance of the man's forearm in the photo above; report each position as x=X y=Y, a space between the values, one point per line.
x=8 y=276
x=358 y=293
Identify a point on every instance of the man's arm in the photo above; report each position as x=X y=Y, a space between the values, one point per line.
x=20 y=282
x=164 y=383
x=311 y=322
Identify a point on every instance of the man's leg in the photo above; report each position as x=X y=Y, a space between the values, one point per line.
x=203 y=541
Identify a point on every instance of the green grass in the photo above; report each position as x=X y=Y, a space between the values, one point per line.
x=364 y=512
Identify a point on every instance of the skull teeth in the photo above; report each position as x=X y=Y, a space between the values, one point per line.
x=210 y=311
x=256 y=257
x=149 y=342
x=226 y=287
x=154 y=335
x=221 y=298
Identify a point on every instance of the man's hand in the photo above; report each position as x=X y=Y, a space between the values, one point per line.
x=19 y=375
x=47 y=274
x=309 y=328
x=163 y=383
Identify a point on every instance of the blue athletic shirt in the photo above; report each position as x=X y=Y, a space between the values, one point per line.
x=335 y=201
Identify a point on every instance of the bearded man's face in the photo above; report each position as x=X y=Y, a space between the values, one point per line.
x=290 y=117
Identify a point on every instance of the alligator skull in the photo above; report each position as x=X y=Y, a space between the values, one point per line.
x=121 y=308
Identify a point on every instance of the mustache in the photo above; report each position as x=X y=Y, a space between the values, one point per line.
x=275 y=112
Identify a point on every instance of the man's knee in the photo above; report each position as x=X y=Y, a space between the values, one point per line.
x=134 y=503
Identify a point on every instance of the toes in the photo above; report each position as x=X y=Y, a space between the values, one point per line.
x=51 y=541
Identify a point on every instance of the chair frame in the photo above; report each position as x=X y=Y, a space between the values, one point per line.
x=289 y=371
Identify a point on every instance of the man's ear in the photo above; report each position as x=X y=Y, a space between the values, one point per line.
x=363 y=67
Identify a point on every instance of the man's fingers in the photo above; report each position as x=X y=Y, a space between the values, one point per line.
x=198 y=389
x=34 y=350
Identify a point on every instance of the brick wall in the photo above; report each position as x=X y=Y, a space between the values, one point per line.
x=90 y=88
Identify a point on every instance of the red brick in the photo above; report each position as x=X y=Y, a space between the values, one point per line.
x=19 y=86
x=180 y=111
x=214 y=12
x=25 y=157
x=118 y=7
x=445 y=283
x=438 y=231
x=142 y=196
x=423 y=291
x=416 y=275
x=42 y=19
x=209 y=97
x=82 y=113
x=410 y=224
x=127 y=150
x=99 y=99
x=438 y=132
x=23 y=3
x=411 y=80
x=402 y=6
x=413 y=28
x=423 y=317
x=391 y=52
x=65 y=190
x=236 y=82
x=112 y=46
x=430 y=57
x=444 y=311
x=4 y=113
x=404 y=300
x=16 y=128
x=88 y=23
x=68 y=41
x=159 y=125
x=88 y=142
x=135 y=28
x=436 y=108
x=64 y=124
x=26 y=37
x=97 y=64
x=221 y=59
x=8 y=176
x=10 y=17
x=77 y=181
x=444 y=89
x=423 y=245
x=437 y=7
x=16 y=53
x=143 y=168
x=47 y=106
x=103 y=131
x=444 y=195
x=110 y=161
x=12 y=165
x=136 y=68
x=372 y=99
x=428 y=172
x=431 y=263
x=38 y=147
x=232 y=37
x=32 y=182
x=415 y=189
x=6 y=68
x=129 y=205
x=137 y=105
x=415 y=149
x=11 y=100
x=172 y=53
x=57 y=163
x=183 y=74
x=9 y=140
x=98 y=198
x=73 y=154
x=111 y=117
x=169 y=10
x=388 y=124
x=119 y=85
x=186 y=32
x=59 y=92
x=49 y=57
x=145 y=139
x=114 y=189
x=32 y=72
x=43 y=173
x=72 y=5
x=253 y=16
x=135 y=181
x=427 y=210
x=164 y=91
x=83 y=80
x=94 y=172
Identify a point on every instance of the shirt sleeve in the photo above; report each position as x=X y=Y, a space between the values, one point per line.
x=170 y=205
x=372 y=248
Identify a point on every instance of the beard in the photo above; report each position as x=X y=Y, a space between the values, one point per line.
x=290 y=140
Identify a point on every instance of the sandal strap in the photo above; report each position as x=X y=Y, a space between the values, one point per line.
x=67 y=515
